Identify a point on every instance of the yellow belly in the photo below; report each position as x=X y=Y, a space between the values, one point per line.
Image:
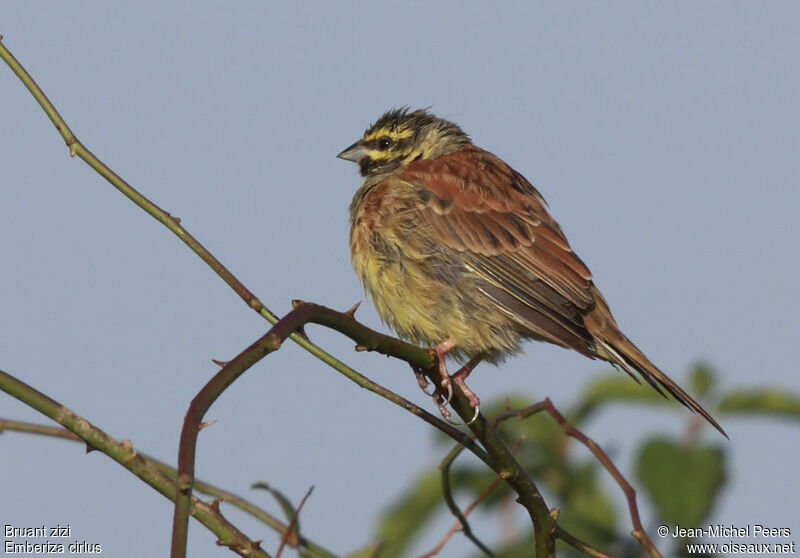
x=426 y=297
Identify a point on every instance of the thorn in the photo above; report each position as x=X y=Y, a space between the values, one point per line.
x=215 y=504
x=220 y=363
x=205 y=424
x=89 y=449
x=297 y=303
x=352 y=312
x=554 y=513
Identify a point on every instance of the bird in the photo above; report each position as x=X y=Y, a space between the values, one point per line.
x=458 y=252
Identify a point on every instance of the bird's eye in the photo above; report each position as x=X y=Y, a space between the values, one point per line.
x=384 y=143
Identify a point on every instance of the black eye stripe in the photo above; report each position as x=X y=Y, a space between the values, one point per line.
x=383 y=143
x=380 y=144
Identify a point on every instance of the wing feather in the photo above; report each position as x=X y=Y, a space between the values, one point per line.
x=499 y=224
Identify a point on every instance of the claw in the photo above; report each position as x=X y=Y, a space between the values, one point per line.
x=475 y=416
x=423 y=383
x=443 y=392
x=446 y=415
x=437 y=399
x=448 y=385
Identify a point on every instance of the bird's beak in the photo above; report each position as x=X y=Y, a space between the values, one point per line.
x=354 y=153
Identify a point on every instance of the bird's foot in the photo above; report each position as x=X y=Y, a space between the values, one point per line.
x=443 y=382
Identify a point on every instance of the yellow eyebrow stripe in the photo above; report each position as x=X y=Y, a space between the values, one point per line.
x=388 y=132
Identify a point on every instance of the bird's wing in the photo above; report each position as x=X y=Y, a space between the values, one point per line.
x=474 y=203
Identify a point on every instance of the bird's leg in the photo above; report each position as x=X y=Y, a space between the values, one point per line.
x=443 y=382
x=459 y=379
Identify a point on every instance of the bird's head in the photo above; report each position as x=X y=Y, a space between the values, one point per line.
x=401 y=136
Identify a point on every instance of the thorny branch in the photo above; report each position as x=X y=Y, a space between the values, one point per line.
x=492 y=449
x=570 y=430
x=200 y=486
x=124 y=453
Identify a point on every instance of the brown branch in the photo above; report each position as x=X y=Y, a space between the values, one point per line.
x=461 y=519
x=293 y=524
x=630 y=493
x=576 y=543
x=459 y=525
x=302 y=314
x=509 y=469
x=200 y=486
x=124 y=453
x=496 y=455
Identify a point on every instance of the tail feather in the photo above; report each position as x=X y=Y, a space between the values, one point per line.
x=624 y=353
x=613 y=346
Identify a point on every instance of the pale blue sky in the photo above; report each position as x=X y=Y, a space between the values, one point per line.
x=665 y=138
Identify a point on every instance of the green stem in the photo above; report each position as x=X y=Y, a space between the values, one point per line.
x=124 y=454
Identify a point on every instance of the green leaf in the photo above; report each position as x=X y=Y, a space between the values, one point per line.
x=769 y=401
x=609 y=388
x=286 y=505
x=702 y=379
x=409 y=515
x=682 y=481
x=369 y=551
x=586 y=509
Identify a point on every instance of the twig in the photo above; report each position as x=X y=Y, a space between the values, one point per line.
x=509 y=469
x=496 y=455
x=461 y=519
x=459 y=525
x=630 y=494
x=302 y=314
x=575 y=542
x=293 y=524
x=124 y=454
x=200 y=486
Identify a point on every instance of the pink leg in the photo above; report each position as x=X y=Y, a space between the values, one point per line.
x=460 y=377
x=440 y=352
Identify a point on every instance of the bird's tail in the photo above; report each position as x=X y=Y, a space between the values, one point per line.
x=617 y=349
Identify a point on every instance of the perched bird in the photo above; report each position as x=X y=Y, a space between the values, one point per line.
x=458 y=252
